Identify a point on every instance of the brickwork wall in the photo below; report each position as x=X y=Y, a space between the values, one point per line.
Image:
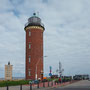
x=35 y=52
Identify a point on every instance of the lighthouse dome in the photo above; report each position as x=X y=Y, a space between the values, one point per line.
x=34 y=19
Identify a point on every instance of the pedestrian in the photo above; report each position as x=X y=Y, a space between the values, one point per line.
x=59 y=80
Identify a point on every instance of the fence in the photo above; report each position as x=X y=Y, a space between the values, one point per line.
x=36 y=86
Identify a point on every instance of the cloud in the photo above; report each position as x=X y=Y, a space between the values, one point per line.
x=5 y=6
x=66 y=36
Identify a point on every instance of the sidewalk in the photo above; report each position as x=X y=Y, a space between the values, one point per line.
x=54 y=86
x=42 y=86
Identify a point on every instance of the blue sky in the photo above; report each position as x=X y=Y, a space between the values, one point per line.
x=66 y=36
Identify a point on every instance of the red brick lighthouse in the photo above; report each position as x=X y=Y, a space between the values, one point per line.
x=34 y=48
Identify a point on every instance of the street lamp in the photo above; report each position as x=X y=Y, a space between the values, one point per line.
x=36 y=68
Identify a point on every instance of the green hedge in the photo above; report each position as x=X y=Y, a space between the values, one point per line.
x=13 y=83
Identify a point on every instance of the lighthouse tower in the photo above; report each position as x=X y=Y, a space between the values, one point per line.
x=34 y=48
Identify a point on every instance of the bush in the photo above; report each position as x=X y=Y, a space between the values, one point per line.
x=13 y=83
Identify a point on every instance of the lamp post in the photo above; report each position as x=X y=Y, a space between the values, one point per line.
x=36 y=69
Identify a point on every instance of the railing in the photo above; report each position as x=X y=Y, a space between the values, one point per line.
x=28 y=23
x=36 y=86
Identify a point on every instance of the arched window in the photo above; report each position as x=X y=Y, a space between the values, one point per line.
x=29 y=33
x=29 y=59
x=29 y=45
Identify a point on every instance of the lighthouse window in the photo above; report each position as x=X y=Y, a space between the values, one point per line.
x=29 y=45
x=29 y=33
x=29 y=73
x=29 y=59
x=35 y=19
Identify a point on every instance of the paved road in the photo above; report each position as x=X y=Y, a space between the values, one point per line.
x=80 y=85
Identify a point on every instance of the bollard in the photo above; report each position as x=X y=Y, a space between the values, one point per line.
x=48 y=83
x=20 y=87
x=38 y=85
x=7 y=87
x=43 y=84
x=30 y=86
x=52 y=83
x=55 y=83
